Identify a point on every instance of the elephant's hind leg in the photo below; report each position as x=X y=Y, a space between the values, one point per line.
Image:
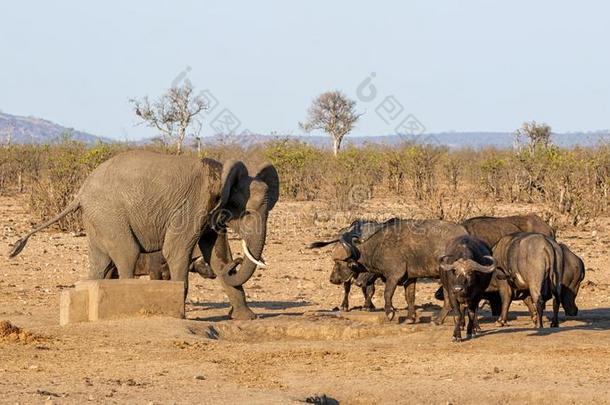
x=99 y=262
x=124 y=251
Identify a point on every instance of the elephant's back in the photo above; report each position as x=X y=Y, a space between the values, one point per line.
x=146 y=172
x=142 y=189
x=133 y=165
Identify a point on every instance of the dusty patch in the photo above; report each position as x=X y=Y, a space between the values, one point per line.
x=13 y=334
x=298 y=349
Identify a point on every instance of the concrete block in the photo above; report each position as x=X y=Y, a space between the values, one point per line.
x=94 y=300
x=73 y=306
x=115 y=299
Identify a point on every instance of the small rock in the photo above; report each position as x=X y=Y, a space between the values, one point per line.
x=199 y=377
x=496 y=370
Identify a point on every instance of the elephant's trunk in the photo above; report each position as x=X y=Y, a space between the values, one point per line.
x=255 y=243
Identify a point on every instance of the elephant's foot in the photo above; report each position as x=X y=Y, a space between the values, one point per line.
x=242 y=314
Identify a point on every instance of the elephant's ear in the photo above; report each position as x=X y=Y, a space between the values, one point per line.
x=269 y=176
x=232 y=172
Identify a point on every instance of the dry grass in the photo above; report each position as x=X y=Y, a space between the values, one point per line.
x=571 y=185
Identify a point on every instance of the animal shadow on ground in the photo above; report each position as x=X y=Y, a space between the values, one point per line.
x=321 y=400
x=269 y=305
x=218 y=318
x=597 y=319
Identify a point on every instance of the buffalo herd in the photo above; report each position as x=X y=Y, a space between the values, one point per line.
x=497 y=259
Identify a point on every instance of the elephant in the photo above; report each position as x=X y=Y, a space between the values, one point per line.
x=142 y=201
x=154 y=265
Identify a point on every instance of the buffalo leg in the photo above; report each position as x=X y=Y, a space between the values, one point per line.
x=556 y=302
x=388 y=294
x=459 y=311
x=532 y=308
x=369 y=291
x=537 y=298
x=447 y=306
x=506 y=295
x=346 y=288
x=410 y=298
x=473 y=322
x=477 y=327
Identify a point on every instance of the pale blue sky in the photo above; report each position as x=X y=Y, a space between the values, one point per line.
x=468 y=65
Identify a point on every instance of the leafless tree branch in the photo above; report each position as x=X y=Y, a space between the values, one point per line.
x=172 y=114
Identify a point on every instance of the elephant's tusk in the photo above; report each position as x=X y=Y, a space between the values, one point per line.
x=259 y=263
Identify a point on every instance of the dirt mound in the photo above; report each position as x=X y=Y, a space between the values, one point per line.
x=12 y=333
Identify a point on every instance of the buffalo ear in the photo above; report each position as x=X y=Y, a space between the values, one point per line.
x=269 y=176
x=442 y=261
x=341 y=253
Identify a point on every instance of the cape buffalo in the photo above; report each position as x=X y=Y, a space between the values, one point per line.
x=491 y=229
x=532 y=264
x=573 y=274
x=466 y=270
x=399 y=251
x=341 y=274
x=366 y=281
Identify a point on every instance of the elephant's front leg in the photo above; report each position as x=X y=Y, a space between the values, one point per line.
x=221 y=256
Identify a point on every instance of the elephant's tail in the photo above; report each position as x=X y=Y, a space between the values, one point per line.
x=20 y=244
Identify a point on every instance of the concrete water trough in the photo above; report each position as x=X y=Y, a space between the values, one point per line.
x=96 y=300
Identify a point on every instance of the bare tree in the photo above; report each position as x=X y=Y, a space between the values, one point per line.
x=196 y=136
x=173 y=114
x=10 y=131
x=536 y=134
x=333 y=113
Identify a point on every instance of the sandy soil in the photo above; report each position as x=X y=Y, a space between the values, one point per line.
x=299 y=348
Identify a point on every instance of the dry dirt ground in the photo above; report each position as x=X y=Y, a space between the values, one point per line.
x=299 y=348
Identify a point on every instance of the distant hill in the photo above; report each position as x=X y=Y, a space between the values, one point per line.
x=453 y=140
x=31 y=130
